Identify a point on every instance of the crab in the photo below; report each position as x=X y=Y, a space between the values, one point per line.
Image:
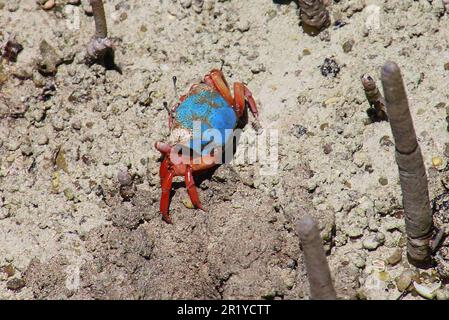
x=211 y=103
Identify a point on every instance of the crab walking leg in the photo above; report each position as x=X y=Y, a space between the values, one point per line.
x=165 y=196
x=252 y=103
x=163 y=169
x=239 y=97
x=241 y=92
x=191 y=188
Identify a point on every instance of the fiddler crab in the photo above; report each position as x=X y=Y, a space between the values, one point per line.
x=209 y=105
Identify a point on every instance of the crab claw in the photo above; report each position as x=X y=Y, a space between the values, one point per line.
x=163 y=148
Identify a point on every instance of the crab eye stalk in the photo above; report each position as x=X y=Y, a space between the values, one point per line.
x=165 y=103
x=174 y=85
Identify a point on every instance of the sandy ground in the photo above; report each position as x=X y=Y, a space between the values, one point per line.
x=65 y=229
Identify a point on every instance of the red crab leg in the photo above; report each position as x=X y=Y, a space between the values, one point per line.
x=252 y=102
x=163 y=169
x=165 y=197
x=241 y=92
x=191 y=188
x=239 y=96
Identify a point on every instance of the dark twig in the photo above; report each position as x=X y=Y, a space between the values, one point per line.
x=377 y=112
x=100 y=48
x=321 y=287
x=412 y=173
x=314 y=15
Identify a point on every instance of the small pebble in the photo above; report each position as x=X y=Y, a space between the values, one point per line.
x=56 y=181
x=13 y=6
x=38 y=115
x=15 y=284
x=13 y=145
x=404 y=280
x=186 y=3
x=127 y=192
x=198 y=5
x=292 y=264
x=124 y=178
x=395 y=258
x=331 y=101
x=258 y=68
x=60 y=161
x=57 y=123
x=330 y=67
x=9 y=270
x=11 y=49
x=50 y=4
x=325 y=36
x=372 y=242
x=440 y=105
x=437 y=161
x=347 y=46
x=26 y=150
x=327 y=148
x=243 y=26
x=271 y=14
x=442 y=294
x=143 y=28
x=187 y=203
x=76 y=124
x=383 y=181
x=11 y=158
x=299 y=130
x=339 y=24
x=68 y=193
x=42 y=139
x=123 y=16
